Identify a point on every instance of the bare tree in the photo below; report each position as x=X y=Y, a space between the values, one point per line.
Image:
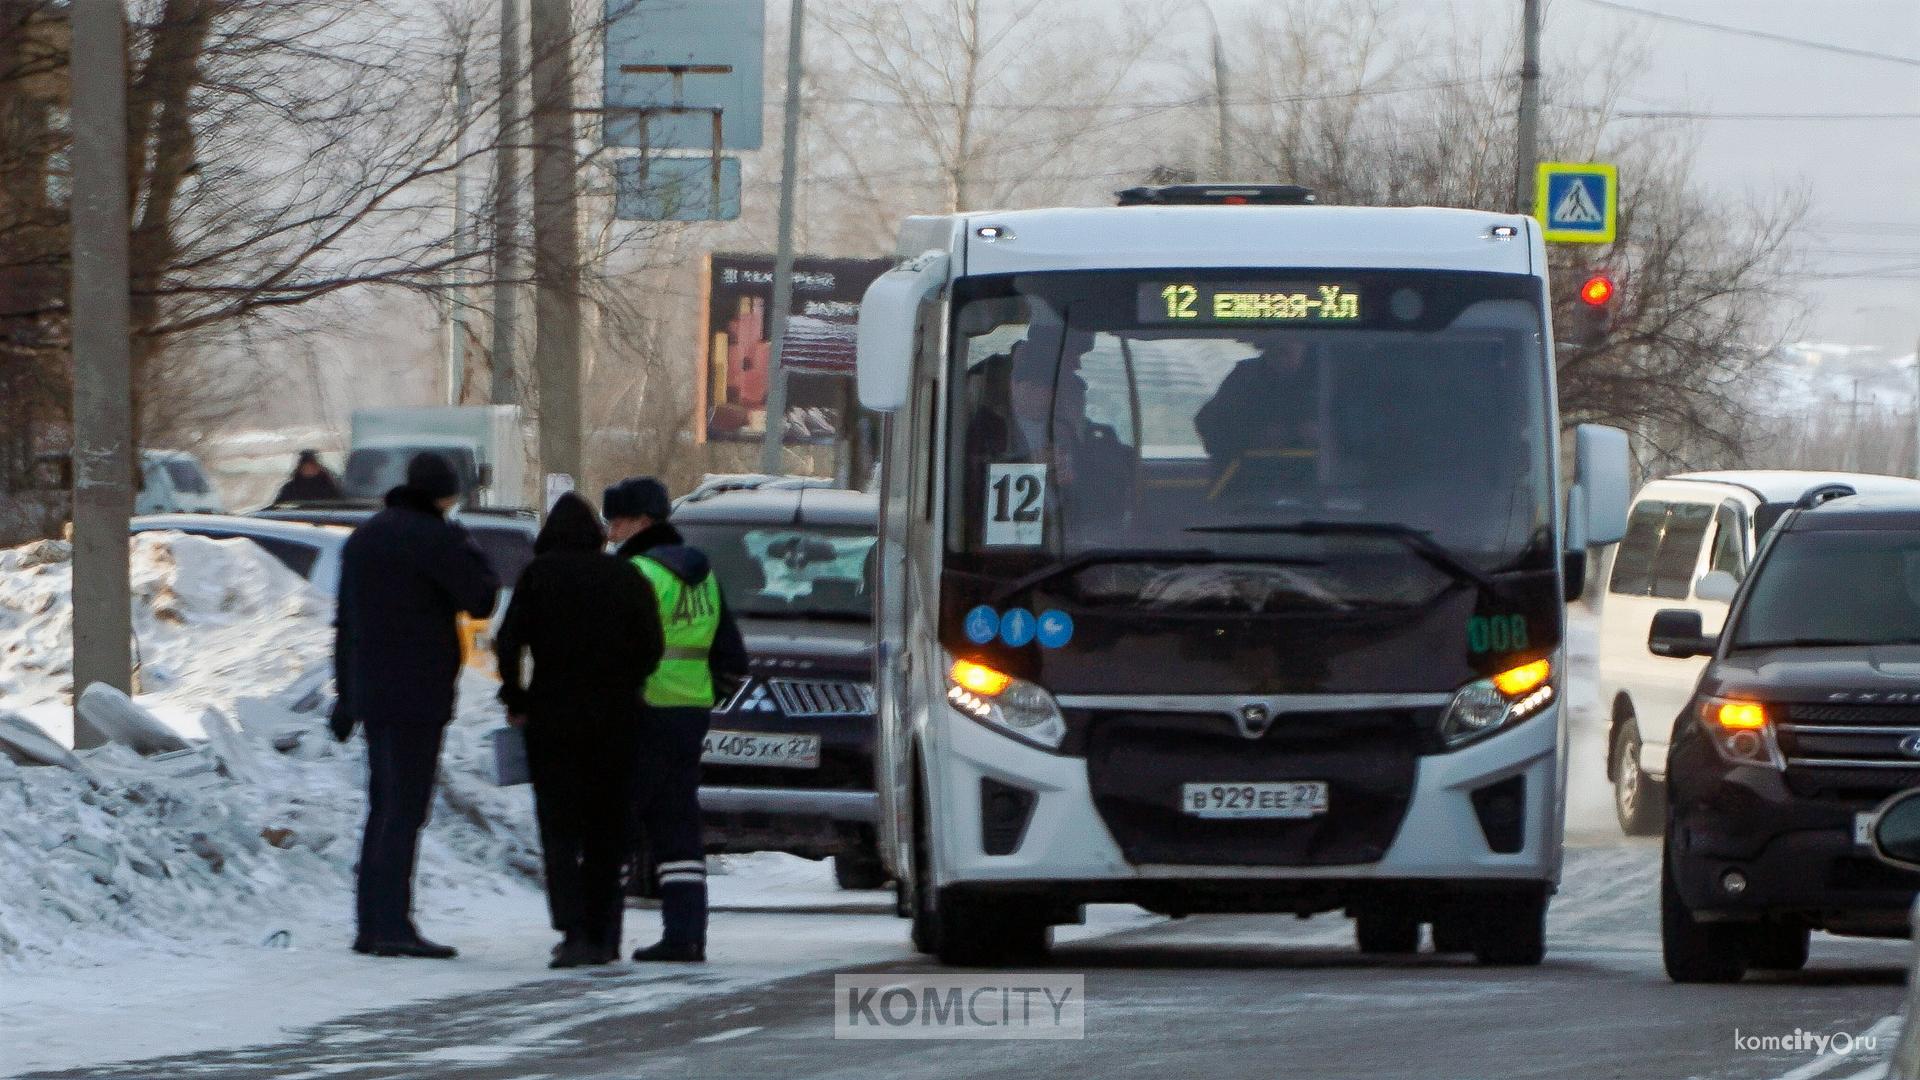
x=938 y=105
x=1370 y=110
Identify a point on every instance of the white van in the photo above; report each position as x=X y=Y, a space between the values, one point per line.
x=1690 y=539
x=174 y=482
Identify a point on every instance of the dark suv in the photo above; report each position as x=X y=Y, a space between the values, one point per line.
x=1805 y=721
x=789 y=759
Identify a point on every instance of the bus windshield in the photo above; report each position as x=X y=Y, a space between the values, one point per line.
x=1313 y=421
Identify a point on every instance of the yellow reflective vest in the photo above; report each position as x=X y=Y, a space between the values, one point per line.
x=689 y=620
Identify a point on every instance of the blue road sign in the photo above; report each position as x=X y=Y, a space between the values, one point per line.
x=983 y=625
x=673 y=66
x=1017 y=627
x=655 y=188
x=1056 y=629
x=1577 y=202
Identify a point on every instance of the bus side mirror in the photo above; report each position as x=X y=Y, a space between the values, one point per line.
x=1602 y=487
x=1896 y=831
x=889 y=330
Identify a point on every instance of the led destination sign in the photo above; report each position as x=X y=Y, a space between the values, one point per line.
x=1244 y=302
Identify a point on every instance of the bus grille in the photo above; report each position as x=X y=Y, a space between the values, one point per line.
x=1137 y=763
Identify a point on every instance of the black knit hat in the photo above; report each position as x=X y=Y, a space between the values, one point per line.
x=431 y=475
x=637 y=496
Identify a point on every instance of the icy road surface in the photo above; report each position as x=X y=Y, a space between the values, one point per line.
x=1208 y=996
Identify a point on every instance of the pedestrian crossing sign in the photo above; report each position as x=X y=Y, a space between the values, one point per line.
x=1577 y=202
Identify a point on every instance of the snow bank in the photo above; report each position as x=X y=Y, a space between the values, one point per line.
x=208 y=616
x=248 y=829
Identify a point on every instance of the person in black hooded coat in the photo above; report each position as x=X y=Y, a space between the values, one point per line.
x=593 y=629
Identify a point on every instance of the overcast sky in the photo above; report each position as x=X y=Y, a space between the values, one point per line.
x=1861 y=246
x=1863 y=176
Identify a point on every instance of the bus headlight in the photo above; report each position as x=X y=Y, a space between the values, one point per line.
x=1484 y=706
x=998 y=700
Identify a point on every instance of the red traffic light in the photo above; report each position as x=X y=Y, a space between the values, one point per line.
x=1597 y=290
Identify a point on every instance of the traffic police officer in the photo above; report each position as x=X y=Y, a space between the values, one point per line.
x=703 y=647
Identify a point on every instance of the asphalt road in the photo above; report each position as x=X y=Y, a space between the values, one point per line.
x=1206 y=997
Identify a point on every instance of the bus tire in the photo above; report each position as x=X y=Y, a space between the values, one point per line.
x=979 y=931
x=1510 y=929
x=926 y=926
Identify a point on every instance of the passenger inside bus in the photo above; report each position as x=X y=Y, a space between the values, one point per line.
x=1044 y=420
x=1261 y=428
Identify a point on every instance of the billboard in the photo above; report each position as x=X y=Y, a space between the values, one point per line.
x=735 y=349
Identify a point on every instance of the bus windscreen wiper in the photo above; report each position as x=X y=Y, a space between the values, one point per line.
x=1106 y=556
x=1419 y=542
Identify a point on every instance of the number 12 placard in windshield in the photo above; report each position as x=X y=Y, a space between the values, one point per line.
x=1214 y=303
x=1016 y=505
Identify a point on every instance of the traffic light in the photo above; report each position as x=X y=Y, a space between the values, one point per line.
x=1593 y=315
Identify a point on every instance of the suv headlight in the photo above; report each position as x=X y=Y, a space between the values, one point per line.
x=1740 y=730
x=998 y=700
x=1484 y=706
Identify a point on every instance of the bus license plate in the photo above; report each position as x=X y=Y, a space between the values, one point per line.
x=1286 y=799
x=749 y=748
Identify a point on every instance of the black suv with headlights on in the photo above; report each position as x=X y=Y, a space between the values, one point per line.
x=1806 y=720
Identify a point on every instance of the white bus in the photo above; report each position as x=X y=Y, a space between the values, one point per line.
x=1223 y=568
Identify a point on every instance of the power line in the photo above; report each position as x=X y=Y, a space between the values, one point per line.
x=1120 y=102
x=1743 y=31
x=1689 y=114
x=1707 y=114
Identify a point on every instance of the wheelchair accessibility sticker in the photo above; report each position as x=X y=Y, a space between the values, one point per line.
x=983 y=625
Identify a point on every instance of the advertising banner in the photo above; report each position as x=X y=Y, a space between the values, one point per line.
x=736 y=349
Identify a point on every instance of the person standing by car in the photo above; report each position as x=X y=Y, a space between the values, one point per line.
x=310 y=482
x=702 y=646
x=593 y=630
x=405 y=577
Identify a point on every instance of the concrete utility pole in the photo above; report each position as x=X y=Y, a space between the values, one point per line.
x=103 y=450
x=462 y=237
x=556 y=239
x=773 y=448
x=1527 y=150
x=506 y=213
x=1223 y=146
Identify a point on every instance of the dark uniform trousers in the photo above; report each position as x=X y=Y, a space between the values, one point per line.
x=402 y=759
x=583 y=794
x=669 y=798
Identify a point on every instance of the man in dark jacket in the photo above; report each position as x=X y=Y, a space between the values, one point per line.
x=405 y=577
x=310 y=482
x=702 y=649
x=593 y=630
x=1260 y=429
